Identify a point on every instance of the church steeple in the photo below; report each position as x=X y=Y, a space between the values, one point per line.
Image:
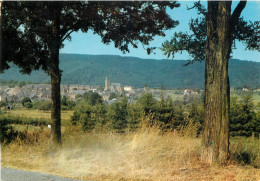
x=107 y=84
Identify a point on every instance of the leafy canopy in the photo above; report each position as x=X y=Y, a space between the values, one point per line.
x=195 y=42
x=27 y=27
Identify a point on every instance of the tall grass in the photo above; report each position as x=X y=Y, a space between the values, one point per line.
x=246 y=151
x=148 y=154
x=24 y=121
x=34 y=113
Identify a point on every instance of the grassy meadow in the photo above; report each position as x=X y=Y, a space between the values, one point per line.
x=26 y=116
x=39 y=114
x=147 y=153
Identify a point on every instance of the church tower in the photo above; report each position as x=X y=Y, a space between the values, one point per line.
x=107 y=84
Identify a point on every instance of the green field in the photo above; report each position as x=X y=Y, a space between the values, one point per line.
x=32 y=113
x=31 y=117
x=146 y=154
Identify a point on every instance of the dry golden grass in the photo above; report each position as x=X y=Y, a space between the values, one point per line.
x=32 y=113
x=147 y=154
x=32 y=128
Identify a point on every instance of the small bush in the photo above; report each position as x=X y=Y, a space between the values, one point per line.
x=32 y=138
x=42 y=105
x=67 y=104
x=28 y=105
x=26 y=100
x=7 y=133
x=89 y=116
x=244 y=120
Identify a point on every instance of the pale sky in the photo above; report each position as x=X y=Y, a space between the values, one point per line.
x=87 y=43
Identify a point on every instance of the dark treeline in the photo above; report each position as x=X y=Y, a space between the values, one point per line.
x=82 y=69
x=127 y=115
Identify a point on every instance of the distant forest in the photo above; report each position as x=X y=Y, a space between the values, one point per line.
x=92 y=70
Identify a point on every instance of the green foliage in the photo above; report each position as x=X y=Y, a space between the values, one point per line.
x=2 y=104
x=162 y=113
x=123 y=115
x=24 y=120
x=7 y=133
x=133 y=118
x=32 y=43
x=26 y=100
x=78 y=97
x=195 y=42
x=21 y=84
x=112 y=96
x=42 y=105
x=87 y=120
x=117 y=115
x=3 y=130
x=165 y=112
x=20 y=46
x=28 y=105
x=244 y=121
x=67 y=104
x=146 y=104
x=129 y=115
x=179 y=116
x=92 y=98
x=196 y=115
x=89 y=116
x=64 y=101
x=245 y=151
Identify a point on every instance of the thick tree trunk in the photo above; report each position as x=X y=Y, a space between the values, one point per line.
x=1 y=63
x=55 y=74
x=55 y=100
x=215 y=140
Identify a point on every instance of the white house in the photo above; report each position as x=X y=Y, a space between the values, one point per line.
x=127 y=88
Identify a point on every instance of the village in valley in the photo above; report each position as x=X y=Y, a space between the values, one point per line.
x=110 y=92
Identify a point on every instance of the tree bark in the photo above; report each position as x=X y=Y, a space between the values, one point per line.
x=55 y=98
x=55 y=73
x=215 y=138
x=1 y=35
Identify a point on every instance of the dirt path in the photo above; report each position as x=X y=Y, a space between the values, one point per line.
x=20 y=175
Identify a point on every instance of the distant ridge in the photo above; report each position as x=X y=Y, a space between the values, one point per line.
x=92 y=70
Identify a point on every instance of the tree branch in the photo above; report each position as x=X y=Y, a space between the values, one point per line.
x=67 y=35
x=237 y=12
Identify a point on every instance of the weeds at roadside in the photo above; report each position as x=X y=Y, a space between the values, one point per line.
x=246 y=151
x=147 y=154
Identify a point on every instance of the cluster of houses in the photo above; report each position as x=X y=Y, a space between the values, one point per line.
x=42 y=92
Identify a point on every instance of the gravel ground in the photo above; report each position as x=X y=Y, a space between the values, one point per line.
x=20 y=175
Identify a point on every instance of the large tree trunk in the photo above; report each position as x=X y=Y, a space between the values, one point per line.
x=0 y=66
x=55 y=74
x=215 y=140
x=55 y=99
x=1 y=38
